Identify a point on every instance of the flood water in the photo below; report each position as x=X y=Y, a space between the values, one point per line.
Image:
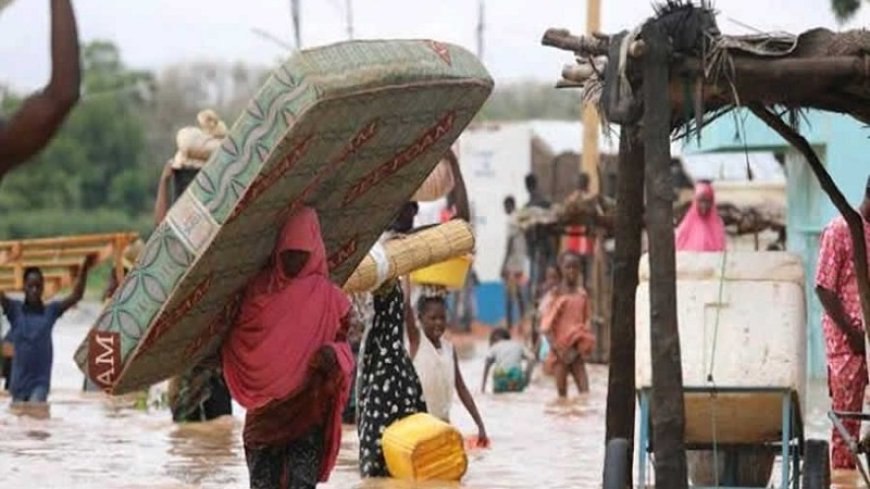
x=91 y=440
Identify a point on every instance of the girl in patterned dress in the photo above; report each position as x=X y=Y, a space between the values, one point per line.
x=389 y=389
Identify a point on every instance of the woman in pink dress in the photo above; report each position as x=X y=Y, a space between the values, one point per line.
x=565 y=324
x=701 y=229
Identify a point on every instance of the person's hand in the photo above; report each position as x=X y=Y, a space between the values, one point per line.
x=856 y=340
x=482 y=439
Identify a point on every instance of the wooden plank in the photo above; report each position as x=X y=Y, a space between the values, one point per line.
x=59 y=258
x=44 y=263
x=62 y=252
x=68 y=241
x=733 y=418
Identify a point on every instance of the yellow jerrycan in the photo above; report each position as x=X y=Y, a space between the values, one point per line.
x=422 y=447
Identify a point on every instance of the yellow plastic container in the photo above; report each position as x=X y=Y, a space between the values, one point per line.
x=450 y=273
x=421 y=447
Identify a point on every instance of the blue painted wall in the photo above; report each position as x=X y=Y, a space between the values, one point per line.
x=843 y=145
x=490 y=302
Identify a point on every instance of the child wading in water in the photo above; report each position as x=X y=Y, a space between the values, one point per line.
x=436 y=362
x=565 y=324
x=507 y=356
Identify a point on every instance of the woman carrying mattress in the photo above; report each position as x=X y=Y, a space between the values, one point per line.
x=288 y=362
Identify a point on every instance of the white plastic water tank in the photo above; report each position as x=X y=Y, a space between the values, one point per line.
x=760 y=340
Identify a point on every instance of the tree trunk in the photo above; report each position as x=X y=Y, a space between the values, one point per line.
x=667 y=409
x=628 y=229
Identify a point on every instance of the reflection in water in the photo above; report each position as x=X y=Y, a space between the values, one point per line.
x=90 y=440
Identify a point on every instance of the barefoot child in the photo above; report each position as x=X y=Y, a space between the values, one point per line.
x=552 y=279
x=565 y=324
x=507 y=356
x=436 y=362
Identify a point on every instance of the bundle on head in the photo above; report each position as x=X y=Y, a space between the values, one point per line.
x=196 y=144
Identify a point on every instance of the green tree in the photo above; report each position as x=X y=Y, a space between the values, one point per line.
x=95 y=162
x=531 y=100
x=845 y=9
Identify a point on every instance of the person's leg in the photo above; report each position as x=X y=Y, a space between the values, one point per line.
x=303 y=460
x=219 y=403
x=560 y=372
x=847 y=379
x=38 y=394
x=266 y=466
x=510 y=285
x=7 y=372
x=578 y=371
x=518 y=291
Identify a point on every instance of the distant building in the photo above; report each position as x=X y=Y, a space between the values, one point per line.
x=495 y=159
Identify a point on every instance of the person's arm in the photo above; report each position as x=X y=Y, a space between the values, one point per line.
x=111 y=286
x=832 y=259
x=79 y=288
x=410 y=322
x=834 y=309
x=460 y=193
x=41 y=115
x=468 y=401
x=489 y=363
x=161 y=203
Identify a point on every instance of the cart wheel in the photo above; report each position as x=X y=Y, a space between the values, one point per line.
x=616 y=465
x=817 y=465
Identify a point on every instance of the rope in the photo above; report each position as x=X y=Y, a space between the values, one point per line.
x=718 y=313
x=710 y=379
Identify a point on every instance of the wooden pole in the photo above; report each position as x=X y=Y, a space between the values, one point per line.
x=853 y=219
x=348 y=7
x=296 y=17
x=591 y=122
x=627 y=234
x=668 y=411
x=481 y=28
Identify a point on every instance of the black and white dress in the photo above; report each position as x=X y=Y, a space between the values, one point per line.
x=389 y=389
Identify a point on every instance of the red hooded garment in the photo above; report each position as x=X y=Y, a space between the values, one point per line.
x=286 y=359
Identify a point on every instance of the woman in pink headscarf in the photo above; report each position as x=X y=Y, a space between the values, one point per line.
x=702 y=229
x=287 y=361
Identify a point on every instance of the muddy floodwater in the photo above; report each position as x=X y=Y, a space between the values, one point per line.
x=91 y=440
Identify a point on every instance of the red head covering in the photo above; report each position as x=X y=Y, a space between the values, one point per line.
x=282 y=323
x=698 y=232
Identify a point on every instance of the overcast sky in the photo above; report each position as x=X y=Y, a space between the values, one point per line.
x=153 y=33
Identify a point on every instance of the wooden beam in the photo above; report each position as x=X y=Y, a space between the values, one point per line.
x=626 y=256
x=792 y=82
x=853 y=219
x=668 y=411
x=590 y=46
x=786 y=71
